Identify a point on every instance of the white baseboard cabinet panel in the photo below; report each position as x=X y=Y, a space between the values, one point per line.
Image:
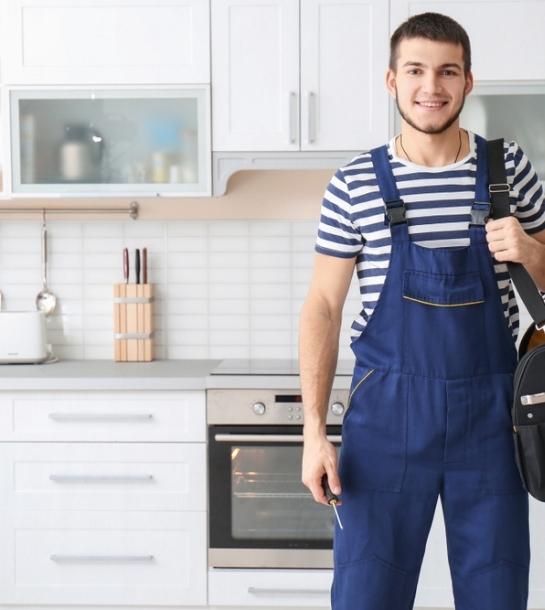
x=271 y=587
x=103 y=558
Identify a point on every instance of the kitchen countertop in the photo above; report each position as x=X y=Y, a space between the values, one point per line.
x=184 y=374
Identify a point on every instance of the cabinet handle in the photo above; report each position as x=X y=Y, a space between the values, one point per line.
x=311 y=117
x=100 y=558
x=263 y=591
x=293 y=113
x=109 y=417
x=99 y=478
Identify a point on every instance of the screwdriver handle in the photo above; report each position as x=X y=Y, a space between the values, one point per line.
x=331 y=497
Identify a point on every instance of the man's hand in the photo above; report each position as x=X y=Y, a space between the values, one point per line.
x=508 y=241
x=319 y=456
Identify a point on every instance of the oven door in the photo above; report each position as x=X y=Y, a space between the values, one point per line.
x=261 y=514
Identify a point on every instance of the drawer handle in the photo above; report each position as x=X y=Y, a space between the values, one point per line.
x=263 y=591
x=100 y=478
x=109 y=417
x=100 y=558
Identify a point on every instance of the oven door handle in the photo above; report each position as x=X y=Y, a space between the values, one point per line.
x=289 y=438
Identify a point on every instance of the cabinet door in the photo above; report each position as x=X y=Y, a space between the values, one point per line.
x=255 y=75
x=104 y=42
x=344 y=57
x=108 y=558
x=507 y=41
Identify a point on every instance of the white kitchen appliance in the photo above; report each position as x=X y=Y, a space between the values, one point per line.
x=22 y=337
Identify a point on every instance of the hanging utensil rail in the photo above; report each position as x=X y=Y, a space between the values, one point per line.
x=132 y=210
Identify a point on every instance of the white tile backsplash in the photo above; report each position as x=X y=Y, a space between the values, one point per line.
x=224 y=289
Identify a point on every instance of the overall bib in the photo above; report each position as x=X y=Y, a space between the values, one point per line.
x=428 y=416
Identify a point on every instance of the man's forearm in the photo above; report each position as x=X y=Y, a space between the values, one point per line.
x=318 y=351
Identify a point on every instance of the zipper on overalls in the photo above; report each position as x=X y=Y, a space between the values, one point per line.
x=358 y=385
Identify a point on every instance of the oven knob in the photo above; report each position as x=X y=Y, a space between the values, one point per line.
x=337 y=408
x=258 y=408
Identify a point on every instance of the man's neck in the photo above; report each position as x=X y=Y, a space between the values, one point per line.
x=432 y=150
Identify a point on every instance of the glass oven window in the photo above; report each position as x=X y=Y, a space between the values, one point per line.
x=268 y=498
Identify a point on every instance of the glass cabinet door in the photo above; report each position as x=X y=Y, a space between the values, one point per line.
x=513 y=113
x=111 y=141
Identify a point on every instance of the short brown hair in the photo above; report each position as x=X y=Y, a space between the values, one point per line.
x=432 y=26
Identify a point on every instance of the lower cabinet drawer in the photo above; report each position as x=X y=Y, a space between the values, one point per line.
x=274 y=587
x=103 y=476
x=152 y=558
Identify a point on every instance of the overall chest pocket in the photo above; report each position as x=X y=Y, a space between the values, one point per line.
x=443 y=290
x=443 y=323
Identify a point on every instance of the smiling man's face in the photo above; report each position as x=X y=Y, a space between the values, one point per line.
x=429 y=85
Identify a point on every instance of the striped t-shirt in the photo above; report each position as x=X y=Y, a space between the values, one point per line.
x=438 y=201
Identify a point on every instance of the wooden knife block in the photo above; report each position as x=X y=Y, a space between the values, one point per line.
x=133 y=322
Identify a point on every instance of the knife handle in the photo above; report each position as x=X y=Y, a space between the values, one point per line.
x=145 y=266
x=137 y=266
x=126 y=265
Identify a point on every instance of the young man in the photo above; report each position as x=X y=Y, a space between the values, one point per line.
x=429 y=408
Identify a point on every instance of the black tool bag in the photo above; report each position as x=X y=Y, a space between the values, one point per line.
x=528 y=410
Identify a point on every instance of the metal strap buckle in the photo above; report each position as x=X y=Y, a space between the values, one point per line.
x=500 y=187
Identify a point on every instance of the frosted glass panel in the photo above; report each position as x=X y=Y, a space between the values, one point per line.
x=109 y=141
x=501 y=112
x=513 y=117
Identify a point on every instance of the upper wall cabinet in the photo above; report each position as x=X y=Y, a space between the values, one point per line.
x=71 y=42
x=299 y=75
x=106 y=141
x=507 y=41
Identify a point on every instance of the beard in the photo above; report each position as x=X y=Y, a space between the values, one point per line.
x=431 y=130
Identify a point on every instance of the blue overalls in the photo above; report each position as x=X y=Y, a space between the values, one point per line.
x=428 y=415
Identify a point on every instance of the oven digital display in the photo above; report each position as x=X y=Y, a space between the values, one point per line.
x=288 y=398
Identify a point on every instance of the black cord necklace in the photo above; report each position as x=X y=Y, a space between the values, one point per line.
x=459 y=147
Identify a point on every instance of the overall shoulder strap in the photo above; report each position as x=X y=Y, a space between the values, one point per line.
x=395 y=208
x=499 y=195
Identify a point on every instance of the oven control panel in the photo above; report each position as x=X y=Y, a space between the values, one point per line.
x=249 y=406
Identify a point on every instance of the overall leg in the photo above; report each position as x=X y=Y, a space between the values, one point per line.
x=390 y=471
x=379 y=552
x=486 y=508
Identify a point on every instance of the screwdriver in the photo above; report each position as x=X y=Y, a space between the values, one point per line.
x=332 y=499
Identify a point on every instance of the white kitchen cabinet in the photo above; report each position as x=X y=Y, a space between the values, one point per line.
x=108 y=140
x=121 y=558
x=344 y=56
x=258 y=103
x=255 y=74
x=103 y=476
x=272 y=588
x=103 y=498
x=103 y=416
x=102 y=42
x=507 y=42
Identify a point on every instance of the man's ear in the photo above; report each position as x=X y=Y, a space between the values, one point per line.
x=469 y=83
x=391 y=82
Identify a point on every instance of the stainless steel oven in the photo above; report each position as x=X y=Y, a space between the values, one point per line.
x=261 y=514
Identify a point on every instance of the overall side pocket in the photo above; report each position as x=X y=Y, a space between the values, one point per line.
x=357 y=383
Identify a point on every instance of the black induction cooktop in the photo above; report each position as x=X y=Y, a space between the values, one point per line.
x=272 y=366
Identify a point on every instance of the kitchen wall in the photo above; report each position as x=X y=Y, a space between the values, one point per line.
x=229 y=285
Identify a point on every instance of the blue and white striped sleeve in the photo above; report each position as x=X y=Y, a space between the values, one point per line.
x=528 y=191
x=337 y=234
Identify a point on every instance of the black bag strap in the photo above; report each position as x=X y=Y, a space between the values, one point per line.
x=499 y=196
